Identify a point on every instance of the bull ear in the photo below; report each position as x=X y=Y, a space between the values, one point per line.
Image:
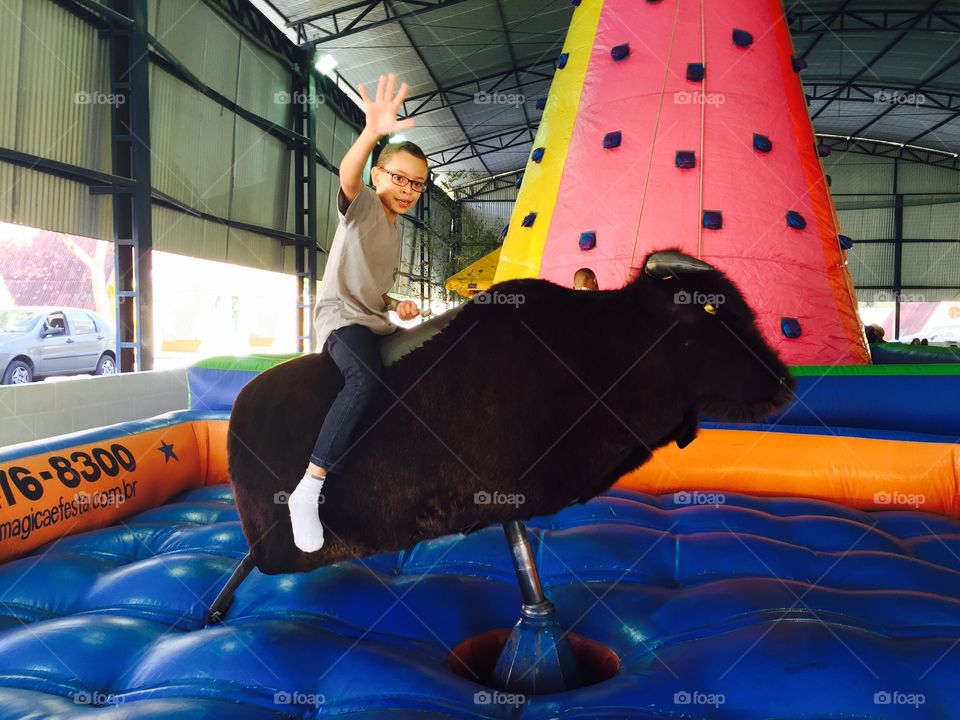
x=670 y=263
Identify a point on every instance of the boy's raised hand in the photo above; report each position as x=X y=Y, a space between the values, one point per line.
x=382 y=112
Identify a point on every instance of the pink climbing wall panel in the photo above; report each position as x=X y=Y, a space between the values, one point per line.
x=636 y=199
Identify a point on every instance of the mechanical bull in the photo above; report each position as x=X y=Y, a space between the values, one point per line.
x=532 y=390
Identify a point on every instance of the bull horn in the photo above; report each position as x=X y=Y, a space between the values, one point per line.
x=666 y=264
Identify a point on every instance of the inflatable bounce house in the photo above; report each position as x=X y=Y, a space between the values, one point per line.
x=807 y=566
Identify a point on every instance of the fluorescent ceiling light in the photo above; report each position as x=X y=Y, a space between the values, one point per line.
x=326 y=63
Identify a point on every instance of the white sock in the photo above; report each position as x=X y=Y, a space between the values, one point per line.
x=304 y=515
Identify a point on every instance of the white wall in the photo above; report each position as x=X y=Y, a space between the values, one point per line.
x=44 y=409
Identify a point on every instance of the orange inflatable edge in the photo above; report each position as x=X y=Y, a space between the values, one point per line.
x=93 y=484
x=56 y=489
x=862 y=473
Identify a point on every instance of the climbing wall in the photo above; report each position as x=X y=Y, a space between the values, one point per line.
x=683 y=123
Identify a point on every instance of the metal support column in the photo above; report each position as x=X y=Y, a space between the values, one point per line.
x=897 y=247
x=305 y=191
x=897 y=260
x=132 y=225
x=420 y=240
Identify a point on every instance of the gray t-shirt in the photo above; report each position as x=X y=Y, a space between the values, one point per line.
x=363 y=264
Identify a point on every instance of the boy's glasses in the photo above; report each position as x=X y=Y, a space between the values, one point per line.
x=402 y=180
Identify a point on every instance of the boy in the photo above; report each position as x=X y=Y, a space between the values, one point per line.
x=585 y=279
x=351 y=312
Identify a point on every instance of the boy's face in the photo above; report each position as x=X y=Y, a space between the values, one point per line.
x=398 y=200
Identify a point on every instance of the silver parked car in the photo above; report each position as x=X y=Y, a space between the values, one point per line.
x=38 y=342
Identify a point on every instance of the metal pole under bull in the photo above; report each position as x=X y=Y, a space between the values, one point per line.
x=537 y=658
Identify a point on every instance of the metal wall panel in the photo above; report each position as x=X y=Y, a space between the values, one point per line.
x=344 y=137
x=11 y=34
x=44 y=201
x=177 y=232
x=940 y=221
x=184 y=234
x=214 y=180
x=254 y=250
x=206 y=44
x=152 y=17
x=871 y=264
x=328 y=185
x=193 y=141
x=8 y=185
x=917 y=178
x=63 y=88
x=872 y=224
x=175 y=136
x=264 y=85
x=858 y=173
x=221 y=54
x=54 y=104
x=491 y=213
x=180 y=27
x=931 y=264
x=260 y=170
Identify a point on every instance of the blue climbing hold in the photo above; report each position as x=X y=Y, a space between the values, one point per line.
x=619 y=52
x=528 y=220
x=516 y=183
x=562 y=60
x=537 y=154
x=712 y=219
x=822 y=149
x=541 y=103
x=845 y=242
x=588 y=240
x=612 y=140
x=503 y=233
x=798 y=64
x=695 y=72
x=790 y=327
x=795 y=220
x=686 y=159
x=761 y=143
x=741 y=38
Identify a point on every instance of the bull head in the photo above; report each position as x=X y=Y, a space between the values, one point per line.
x=734 y=373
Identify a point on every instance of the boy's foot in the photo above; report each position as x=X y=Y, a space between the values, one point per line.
x=304 y=516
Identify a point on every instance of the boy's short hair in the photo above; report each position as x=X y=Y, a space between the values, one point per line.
x=391 y=149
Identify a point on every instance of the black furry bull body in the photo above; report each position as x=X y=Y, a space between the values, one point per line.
x=551 y=397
